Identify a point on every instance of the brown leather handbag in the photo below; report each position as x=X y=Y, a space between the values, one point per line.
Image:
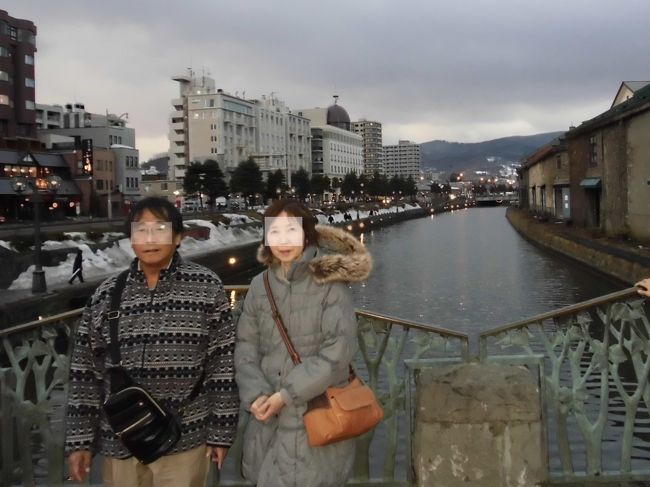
x=340 y=413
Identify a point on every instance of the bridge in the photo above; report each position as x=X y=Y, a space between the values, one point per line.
x=496 y=199
x=604 y=338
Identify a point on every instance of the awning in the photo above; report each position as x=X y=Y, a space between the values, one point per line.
x=590 y=183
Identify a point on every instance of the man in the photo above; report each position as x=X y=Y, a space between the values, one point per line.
x=175 y=331
x=77 y=270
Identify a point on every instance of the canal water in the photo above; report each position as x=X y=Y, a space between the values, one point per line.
x=469 y=270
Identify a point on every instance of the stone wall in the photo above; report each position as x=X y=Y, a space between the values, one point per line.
x=478 y=425
x=616 y=263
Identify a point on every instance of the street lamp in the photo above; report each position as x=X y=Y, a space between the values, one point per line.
x=19 y=185
x=277 y=192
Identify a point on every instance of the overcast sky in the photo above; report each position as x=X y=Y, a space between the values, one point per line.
x=457 y=70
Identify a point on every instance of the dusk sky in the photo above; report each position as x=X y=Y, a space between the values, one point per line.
x=463 y=71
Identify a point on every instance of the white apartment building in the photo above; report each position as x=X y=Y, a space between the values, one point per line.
x=335 y=149
x=208 y=123
x=370 y=131
x=403 y=159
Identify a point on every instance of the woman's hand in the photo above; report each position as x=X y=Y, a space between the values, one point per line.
x=257 y=408
x=644 y=287
x=272 y=406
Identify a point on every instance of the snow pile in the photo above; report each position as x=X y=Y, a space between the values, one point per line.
x=338 y=217
x=102 y=263
x=221 y=236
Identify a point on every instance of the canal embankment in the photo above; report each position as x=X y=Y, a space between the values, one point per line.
x=625 y=261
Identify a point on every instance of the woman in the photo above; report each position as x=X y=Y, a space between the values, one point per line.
x=309 y=286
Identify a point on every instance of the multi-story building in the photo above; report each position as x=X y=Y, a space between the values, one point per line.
x=370 y=131
x=402 y=160
x=62 y=128
x=335 y=149
x=609 y=172
x=17 y=82
x=546 y=174
x=208 y=123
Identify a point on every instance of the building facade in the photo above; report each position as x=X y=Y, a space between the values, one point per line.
x=63 y=128
x=37 y=167
x=402 y=160
x=335 y=149
x=547 y=180
x=17 y=82
x=208 y=123
x=370 y=132
x=608 y=171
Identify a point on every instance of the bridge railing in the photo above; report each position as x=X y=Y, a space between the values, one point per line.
x=594 y=362
x=35 y=360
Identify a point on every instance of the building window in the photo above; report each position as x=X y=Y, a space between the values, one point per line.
x=163 y=186
x=558 y=162
x=26 y=36
x=593 y=151
x=13 y=33
x=29 y=59
x=29 y=82
x=5 y=100
x=100 y=184
x=29 y=105
x=4 y=76
x=4 y=52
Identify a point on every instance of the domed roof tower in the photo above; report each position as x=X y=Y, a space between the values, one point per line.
x=338 y=117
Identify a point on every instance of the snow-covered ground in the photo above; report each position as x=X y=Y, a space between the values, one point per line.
x=102 y=263
x=338 y=217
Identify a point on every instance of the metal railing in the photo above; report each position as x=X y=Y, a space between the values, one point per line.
x=595 y=361
x=34 y=365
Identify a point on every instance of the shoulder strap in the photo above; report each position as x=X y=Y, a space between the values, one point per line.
x=114 y=317
x=295 y=357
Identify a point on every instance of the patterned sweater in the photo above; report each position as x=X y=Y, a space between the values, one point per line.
x=167 y=337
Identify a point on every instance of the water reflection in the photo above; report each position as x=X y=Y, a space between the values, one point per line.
x=469 y=270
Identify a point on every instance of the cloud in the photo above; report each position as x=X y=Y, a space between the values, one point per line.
x=463 y=71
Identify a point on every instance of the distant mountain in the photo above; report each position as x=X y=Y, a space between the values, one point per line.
x=458 y=156
x=161 y=163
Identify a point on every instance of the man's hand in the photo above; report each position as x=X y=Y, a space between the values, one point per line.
x=644 y=287
x=79 y=465
x=217 y=454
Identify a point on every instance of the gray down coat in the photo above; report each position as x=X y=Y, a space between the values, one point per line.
x=316 y=307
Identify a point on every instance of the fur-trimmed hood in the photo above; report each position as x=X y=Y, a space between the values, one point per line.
x=340 y=257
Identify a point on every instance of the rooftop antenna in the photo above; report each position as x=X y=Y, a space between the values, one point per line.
x=336 y=99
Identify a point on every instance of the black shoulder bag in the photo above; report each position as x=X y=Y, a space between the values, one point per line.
x=146 y=428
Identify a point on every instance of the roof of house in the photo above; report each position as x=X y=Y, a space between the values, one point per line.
x=639 y=102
